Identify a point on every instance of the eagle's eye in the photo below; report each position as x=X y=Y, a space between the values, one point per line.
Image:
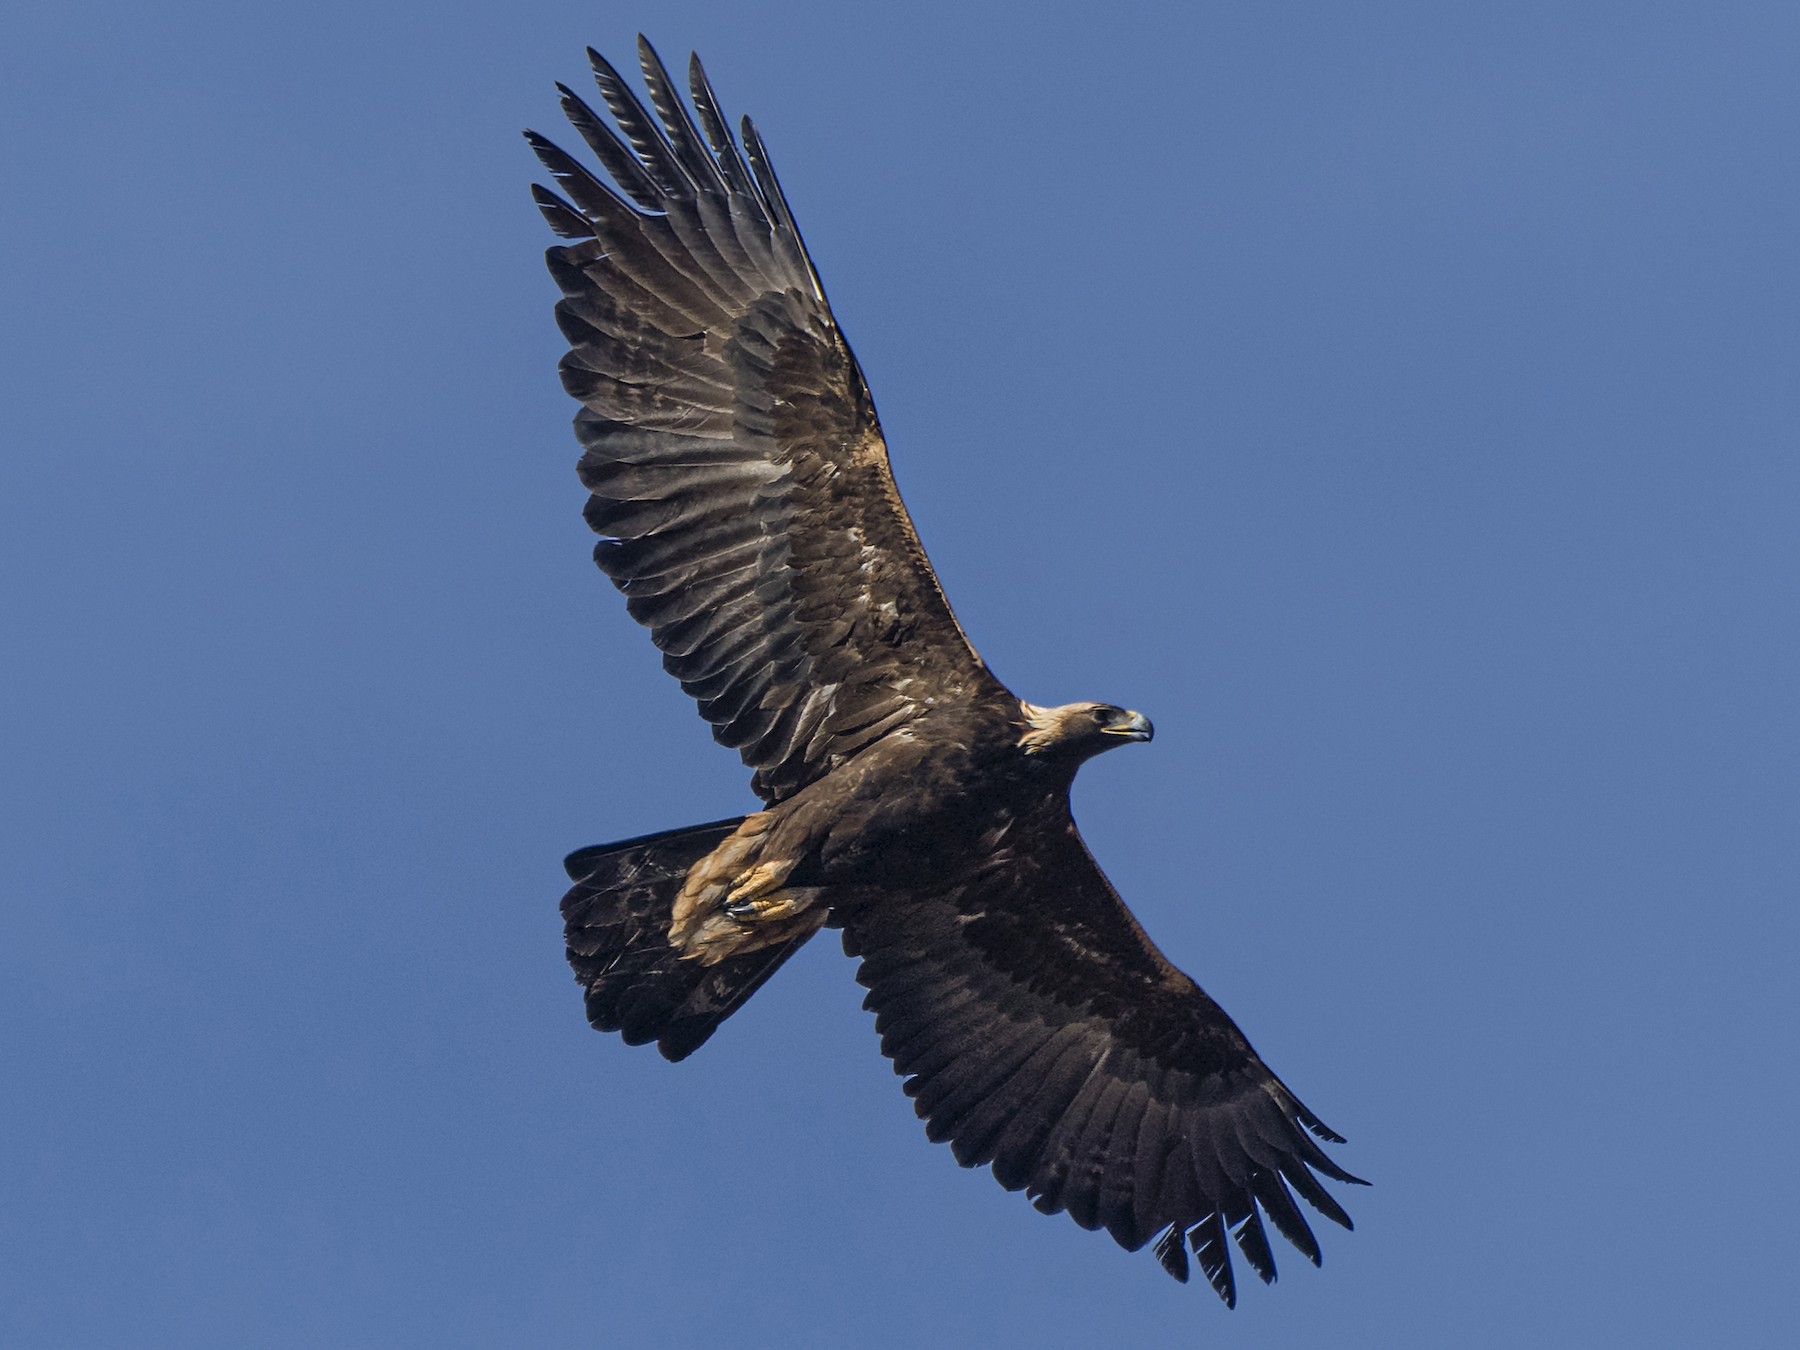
x=1102 y=716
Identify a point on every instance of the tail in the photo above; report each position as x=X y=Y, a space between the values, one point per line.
x=616 y=925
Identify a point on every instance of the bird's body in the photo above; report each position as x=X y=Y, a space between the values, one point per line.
x=739 y=479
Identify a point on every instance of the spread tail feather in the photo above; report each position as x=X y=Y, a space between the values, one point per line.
x=617 y=918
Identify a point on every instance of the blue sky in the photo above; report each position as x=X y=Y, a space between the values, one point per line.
x=1398 y=402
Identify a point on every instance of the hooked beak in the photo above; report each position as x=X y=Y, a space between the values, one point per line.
x=1137 y=729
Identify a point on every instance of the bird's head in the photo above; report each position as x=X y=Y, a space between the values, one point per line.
x=1080 y=730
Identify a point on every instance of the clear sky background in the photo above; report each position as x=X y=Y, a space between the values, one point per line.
x=1397 y=401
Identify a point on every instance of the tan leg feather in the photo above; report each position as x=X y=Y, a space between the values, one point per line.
x=732 y=900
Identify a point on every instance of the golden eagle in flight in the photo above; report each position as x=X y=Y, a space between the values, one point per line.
x=741 y=487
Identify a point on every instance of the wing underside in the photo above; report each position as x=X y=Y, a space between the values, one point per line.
x=1042 y=1034
x=737 y=469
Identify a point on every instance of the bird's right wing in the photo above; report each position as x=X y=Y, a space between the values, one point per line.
x=733 y=454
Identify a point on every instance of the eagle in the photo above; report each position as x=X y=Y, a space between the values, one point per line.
x=740 y=485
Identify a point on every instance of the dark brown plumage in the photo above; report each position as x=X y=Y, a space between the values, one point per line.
x=740 y=483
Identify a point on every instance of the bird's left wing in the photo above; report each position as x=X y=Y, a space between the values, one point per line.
x=1042 y=1032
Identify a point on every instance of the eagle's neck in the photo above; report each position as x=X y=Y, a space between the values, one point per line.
x=1043 y=727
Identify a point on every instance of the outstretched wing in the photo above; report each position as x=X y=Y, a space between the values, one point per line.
x=1042 y=1032
x=737 y=468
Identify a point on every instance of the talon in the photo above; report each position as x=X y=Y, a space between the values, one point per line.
x=766 y=907
x=756 y=906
